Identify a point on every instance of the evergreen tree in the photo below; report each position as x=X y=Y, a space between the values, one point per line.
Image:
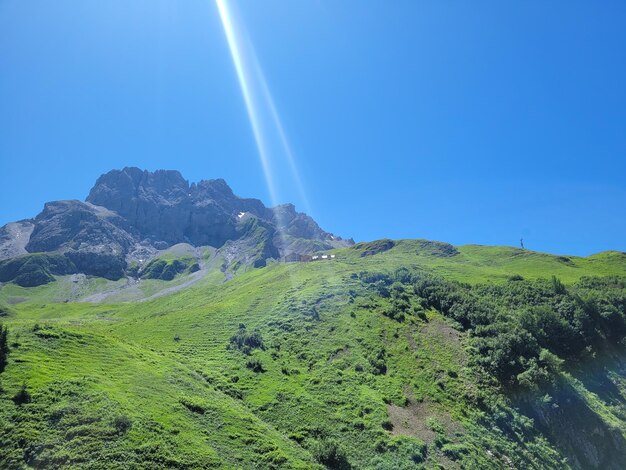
x=4 y=347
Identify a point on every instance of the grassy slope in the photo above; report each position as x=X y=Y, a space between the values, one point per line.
x=74 y=288
x=475 y=263
x=149 y=361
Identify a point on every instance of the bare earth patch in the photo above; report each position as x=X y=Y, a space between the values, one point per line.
x=411 y=421
x=443 y=330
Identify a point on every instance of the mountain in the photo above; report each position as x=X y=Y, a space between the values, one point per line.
x=389 y=354
x=131 y=215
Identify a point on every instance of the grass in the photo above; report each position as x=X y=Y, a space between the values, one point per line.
x=484 y=264
x=339 y=383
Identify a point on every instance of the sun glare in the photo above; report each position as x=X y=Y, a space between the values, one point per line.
x=266 y=124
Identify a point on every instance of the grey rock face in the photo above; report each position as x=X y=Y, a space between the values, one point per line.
x=131 y=213
x=156 y=204
x=162 y=206
x=14 y=237
x=299 y=225
x=95 y=239
x=75 y=225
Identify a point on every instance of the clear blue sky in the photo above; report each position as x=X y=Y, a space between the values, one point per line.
x=462 y=121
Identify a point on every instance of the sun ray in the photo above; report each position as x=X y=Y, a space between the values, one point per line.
x=244 y=76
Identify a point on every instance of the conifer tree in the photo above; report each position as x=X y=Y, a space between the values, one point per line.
x=4 y=347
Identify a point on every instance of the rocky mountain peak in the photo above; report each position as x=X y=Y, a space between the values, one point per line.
x=132 y=210
x=118 y=189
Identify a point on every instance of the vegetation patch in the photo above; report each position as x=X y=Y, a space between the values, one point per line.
x=5 y=310
x=193 y=404
x=397 y=361
x=375 y=247
x=45 y=332
x=35 y=269
x=436 y=249
x=168 y=269
x=255 y=365
x=246 y=341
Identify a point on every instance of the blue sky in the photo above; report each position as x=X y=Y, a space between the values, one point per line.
x=467 y=121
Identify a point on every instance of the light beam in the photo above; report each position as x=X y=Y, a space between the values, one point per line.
x=235 y=44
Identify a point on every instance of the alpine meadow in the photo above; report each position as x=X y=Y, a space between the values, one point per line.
x=388 y=354
x=322 y=235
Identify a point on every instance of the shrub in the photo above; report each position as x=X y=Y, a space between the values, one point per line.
x=401 y=453
x=22 y=396
x=46 y=333
x=246 y=342
x=558 y=286
x=255 y=365
x=275 y=458
x=378 y=363
x=454 y=451
x=122 y=424
x=5 y=310
x=330 y=454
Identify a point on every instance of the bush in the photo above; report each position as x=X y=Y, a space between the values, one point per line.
x=5 y=310
x=122 y=424
x=22 y=396
x=558 y=286
x=46 y=332
x=330 y=454
x=246 y=342
x=454 y=451
x=255 y=365
x=399 y=453
x=378 y=363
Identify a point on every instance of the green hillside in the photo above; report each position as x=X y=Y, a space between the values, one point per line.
x=395 y=354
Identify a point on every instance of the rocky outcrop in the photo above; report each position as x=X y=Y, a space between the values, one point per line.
x=96 y=240
x=156 y=204
x=14 y=237
x=75 y=225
